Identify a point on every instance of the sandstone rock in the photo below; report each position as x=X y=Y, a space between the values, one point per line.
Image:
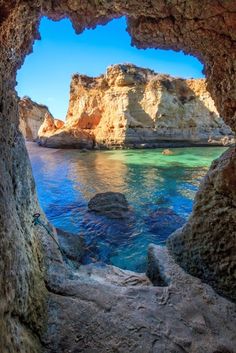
x=136 y=107
x=31 y=117
x=167 y=152
x=125 y=313
x=110 y=204
x=66 y=138
x=204 y=246
x=54 y=134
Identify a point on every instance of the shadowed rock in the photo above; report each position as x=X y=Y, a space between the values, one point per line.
x=110 y=204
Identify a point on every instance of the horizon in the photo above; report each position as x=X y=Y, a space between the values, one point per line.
x=110 y=44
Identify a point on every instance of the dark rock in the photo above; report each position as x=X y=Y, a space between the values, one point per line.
x=110 y=204
x=73 y=246
x=165 y=221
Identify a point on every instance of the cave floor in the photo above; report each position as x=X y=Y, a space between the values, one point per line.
x=106 y=309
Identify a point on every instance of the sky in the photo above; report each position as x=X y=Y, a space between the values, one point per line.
x=46 y=73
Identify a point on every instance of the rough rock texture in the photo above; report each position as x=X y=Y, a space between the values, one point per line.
x=53 y=134
x=105 y=309
x=110 y=204
x=214 y=222
x=32 y=116
x=131 y=106
x=207 y=31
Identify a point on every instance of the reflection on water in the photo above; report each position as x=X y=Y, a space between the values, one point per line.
x=159 y=188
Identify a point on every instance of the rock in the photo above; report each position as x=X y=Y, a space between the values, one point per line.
x=122 y=309
x=206 y=245
x=110 y=204
x=164 y=221
x=132 y=106
x=66 y=138
x=167 y=152
x=72 y=245
x=54 y=134
x=32 y=115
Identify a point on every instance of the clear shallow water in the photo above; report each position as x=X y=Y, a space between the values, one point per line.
x=160 y=190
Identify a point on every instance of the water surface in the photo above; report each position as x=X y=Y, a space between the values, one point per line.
x=159 y=188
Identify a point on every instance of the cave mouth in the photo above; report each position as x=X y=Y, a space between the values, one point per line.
x=160 y=189
x=207 y=32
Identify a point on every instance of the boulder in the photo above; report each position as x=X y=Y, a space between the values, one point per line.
x=73 y=246
x=164 y=221
x=66 y=138
x=110 y=204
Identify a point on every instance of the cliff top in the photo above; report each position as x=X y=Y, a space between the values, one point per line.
x=126 y=74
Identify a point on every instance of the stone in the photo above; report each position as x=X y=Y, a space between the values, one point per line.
x=126 y=313
x=164 y=221
x=167 y=152
x=54 y=134
x=204 y=246
x=130 y=106
x=73 y=246
x=32 y=116
x=109 y=204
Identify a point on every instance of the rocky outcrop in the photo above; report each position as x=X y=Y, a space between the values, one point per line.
x=132 y=106
x=110 y=204
x=207 y=237
x=53 y=134
x=32 y=116
x=206 y=31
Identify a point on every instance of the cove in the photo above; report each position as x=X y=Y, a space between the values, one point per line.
x=159 y=188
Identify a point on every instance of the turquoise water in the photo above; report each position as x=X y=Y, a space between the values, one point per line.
x=160 y=190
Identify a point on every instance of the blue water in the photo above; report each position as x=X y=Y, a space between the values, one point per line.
x=160 y=190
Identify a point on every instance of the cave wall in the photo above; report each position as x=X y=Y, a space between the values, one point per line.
x=206 y=30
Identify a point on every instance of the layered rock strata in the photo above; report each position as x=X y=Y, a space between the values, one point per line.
x=32 y=115
x=207 y=31
x=133 y=106
x=52 y=133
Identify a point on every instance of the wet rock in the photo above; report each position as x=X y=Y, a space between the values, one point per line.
x=164 y=221
x=73 y=246
x=110 y=204
x=167 y=152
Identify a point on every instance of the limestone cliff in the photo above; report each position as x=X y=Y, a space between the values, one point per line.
x=32 y=116
x=133 y=106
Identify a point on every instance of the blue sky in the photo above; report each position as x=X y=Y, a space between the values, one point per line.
x=46 y=73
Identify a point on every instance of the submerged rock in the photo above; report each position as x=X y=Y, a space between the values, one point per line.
x=110 y=204
x=164 y=221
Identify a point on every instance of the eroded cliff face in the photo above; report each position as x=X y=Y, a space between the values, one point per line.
x=207 y=31
x=133 y=106
x=32 y=116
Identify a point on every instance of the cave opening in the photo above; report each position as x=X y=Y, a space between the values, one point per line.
x=35 y=300
x=158 y=106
